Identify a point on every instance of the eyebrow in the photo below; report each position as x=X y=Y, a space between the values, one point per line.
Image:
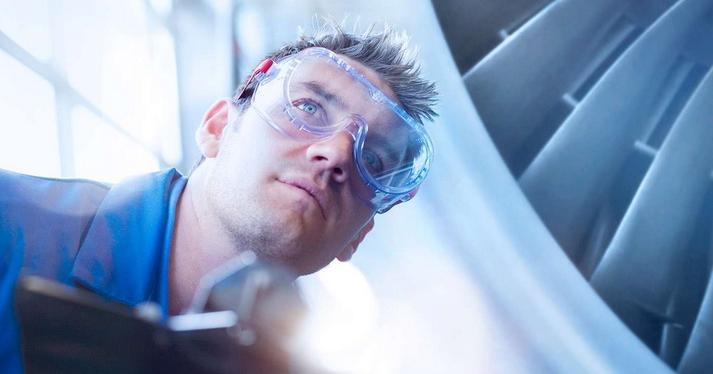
x=321 y=91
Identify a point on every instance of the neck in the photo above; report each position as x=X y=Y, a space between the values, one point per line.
x=199 y=244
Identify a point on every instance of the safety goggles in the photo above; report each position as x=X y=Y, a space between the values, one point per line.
x=315 y=94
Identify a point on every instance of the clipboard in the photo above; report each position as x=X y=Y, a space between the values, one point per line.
x=71 y=330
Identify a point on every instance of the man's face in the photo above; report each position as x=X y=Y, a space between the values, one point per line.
x=292 y=201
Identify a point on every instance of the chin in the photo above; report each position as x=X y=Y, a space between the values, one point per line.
x=292 y=238
x=307 y=268
x=302 y=259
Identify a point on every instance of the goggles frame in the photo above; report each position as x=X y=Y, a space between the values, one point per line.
x=384 y=197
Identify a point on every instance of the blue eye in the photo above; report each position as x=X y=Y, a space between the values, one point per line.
x=308 y=107
x=372 y=161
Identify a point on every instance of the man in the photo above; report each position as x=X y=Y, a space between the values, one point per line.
x=324 y=134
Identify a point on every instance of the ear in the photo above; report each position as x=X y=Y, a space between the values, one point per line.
x=350 y=249
x=210 y=131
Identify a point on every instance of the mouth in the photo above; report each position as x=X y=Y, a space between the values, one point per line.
x=313 y=191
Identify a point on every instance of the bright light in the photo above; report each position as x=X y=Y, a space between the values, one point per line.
x=103 y=153
x=29 y=140
x=341 y=322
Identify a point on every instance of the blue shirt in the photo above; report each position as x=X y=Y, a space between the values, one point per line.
x=113 y=240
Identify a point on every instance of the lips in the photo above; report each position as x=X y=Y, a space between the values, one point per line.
x=311 y=189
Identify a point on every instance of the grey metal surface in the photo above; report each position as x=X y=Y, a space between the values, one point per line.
x=487 y=23
x=601 y=132
x=532 y=82
x=672 y=193
x=601 y=110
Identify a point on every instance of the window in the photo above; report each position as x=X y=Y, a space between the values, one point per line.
x=93 y=85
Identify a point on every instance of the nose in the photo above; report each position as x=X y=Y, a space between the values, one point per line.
x=333 y=156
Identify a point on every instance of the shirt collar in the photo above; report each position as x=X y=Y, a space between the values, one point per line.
x=125 y=252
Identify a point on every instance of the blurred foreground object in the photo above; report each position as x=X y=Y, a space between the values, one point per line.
x=249 y=312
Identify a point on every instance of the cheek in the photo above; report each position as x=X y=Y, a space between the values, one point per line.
x=356 y=218
x=250 y=150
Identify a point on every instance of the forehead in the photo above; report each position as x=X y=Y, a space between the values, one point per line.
x=372 y=76
x=332 y=74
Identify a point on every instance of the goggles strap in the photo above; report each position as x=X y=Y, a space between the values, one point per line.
x=262 y=68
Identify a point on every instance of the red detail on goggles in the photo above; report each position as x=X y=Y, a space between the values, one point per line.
x=262 y=68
